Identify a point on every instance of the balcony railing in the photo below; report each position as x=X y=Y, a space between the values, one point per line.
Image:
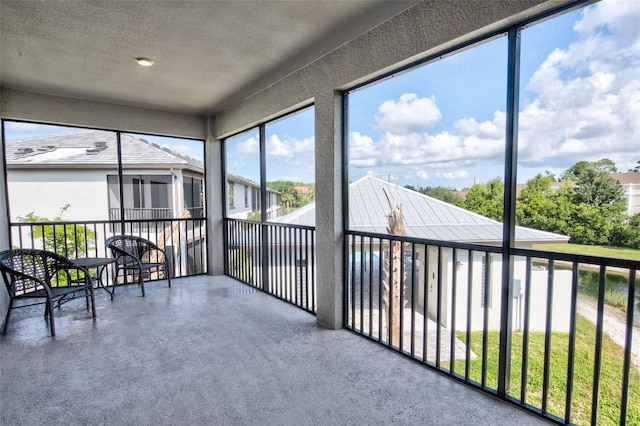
x=545 y=342
x=276 y=258
x=141 y=213
x=183 y=239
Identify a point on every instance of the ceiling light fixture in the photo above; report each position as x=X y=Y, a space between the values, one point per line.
x=145 y=62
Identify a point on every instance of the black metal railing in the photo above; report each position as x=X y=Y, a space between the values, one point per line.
x=184 y=240
x=559 y=338
x=278 y=259
x=141 y=213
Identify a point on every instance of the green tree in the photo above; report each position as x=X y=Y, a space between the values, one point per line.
x=486 y=199
x=588 y=208
x=68 y=240
x=605 y=165
x=598 y=188
x=536 y=206
x=290 y=197
x=627 y=233
x=439 y=192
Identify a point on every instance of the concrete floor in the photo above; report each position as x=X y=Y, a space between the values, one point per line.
x=212 y=351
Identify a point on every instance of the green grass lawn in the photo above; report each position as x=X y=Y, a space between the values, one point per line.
x=610 y=377
x=618 y=252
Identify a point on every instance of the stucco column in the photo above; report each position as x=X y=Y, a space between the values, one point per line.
x=329 y=214
x=4 y=229
x=214 y=201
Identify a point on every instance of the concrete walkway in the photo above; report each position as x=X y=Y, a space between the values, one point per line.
x=212 y=351
x=614 y=325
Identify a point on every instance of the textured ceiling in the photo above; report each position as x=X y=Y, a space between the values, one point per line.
x=208 y=54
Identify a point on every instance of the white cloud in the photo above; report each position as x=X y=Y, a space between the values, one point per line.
x=362 y=151
x=288 y=147
x=458 y=174
x=422 y=175
x=409 y=114
x=587 y=97
x=249 y=147
x=470 y=142
x=584 y=104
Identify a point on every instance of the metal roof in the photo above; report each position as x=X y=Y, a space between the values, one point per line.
x=424 y=217
x=93 y=148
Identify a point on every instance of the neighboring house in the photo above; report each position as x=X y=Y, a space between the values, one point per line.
x=80 y=169
x=243 y=198
x=428 y=218
x=630 y=182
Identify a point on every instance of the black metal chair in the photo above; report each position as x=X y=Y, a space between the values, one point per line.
x=41 y=274
x=139 y=256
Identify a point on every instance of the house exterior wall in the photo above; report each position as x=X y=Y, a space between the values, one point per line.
x=470 y=290
x=632 y=197
x=240 y=208
x=537 y=300
x=86 y=192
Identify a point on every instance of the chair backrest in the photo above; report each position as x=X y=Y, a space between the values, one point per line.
x=129 y=246
x=27 y=270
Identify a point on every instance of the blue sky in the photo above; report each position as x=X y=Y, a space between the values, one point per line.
x=443 y=123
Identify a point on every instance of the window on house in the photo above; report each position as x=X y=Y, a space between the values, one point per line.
x=138 y=193
x=231 y=185
x=246 y=196
x=193 y=196
x=159 y=195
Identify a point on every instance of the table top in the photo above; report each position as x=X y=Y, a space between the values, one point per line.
x=93 y=262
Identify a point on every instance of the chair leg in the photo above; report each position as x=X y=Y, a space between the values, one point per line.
x=141 y=282
x=93 y=303
x=115 y=281
x=51 y=321
x=6 y=318
x=166 y=272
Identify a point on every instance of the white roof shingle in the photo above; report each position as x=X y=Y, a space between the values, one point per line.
x=93 y=148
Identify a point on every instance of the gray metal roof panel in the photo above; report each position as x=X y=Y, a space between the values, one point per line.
x=93 y=147
x=424 y=216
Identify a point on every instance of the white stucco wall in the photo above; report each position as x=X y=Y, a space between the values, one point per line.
x=537 y=301
x=632 y=197
x=44 y=193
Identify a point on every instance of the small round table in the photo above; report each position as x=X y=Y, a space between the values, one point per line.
x=97 y=263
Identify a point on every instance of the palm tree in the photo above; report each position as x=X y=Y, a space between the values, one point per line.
x=392 y=280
